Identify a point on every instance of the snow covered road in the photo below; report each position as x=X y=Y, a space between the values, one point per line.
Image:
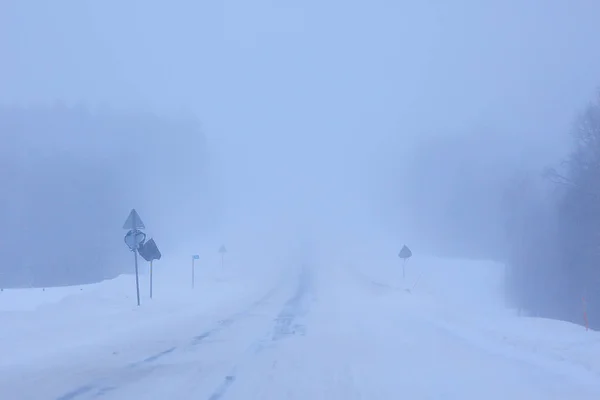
x=322 y=333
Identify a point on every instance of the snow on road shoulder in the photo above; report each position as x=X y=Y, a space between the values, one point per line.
x=67 y=325
x=558 y=346
x=559 y=343
x=465 y=298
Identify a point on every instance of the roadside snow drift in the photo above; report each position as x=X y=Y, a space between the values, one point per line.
x=313 y=324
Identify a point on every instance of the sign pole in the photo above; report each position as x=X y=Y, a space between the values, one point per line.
x=404 y=254
x=137 y=280
x=134 y=239
x=151 y=278
x=222 y=251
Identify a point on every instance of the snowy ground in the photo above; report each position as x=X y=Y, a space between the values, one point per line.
x=313 y=329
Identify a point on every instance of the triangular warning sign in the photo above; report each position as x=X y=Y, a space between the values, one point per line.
x=134 y=221
x=222 y=250
x=405 y=252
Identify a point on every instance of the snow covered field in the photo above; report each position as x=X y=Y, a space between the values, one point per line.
x=312 y=329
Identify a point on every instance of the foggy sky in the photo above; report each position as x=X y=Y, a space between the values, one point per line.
x=306 y=104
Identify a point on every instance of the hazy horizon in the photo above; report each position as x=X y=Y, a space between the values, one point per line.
x=315 y=113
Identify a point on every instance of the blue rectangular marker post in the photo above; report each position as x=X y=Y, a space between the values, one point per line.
x=194 y=258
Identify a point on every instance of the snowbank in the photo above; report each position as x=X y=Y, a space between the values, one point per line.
x=465 y=298
x=67 y=322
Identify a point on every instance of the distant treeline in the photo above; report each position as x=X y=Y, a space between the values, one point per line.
x=554 y=258
x=70 y=176
x=467 y=196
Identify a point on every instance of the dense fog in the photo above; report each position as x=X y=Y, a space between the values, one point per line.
x=430 y=123
x=68 y=176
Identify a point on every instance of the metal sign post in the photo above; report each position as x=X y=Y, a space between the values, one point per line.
x=222 y=251
x=149 y=251
x=135 y=238
x=194 y=258
x=137 y=279
x=151 y=279
x=404 y=254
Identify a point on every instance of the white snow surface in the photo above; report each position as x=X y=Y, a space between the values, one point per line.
x=306 y=328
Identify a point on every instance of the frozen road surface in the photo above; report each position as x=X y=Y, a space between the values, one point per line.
x=315 y=333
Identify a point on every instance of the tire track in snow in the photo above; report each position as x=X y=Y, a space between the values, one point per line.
x=76 y=393
x=285 y=326
x=98 y=388
x=221 y=325
x=294 y=308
